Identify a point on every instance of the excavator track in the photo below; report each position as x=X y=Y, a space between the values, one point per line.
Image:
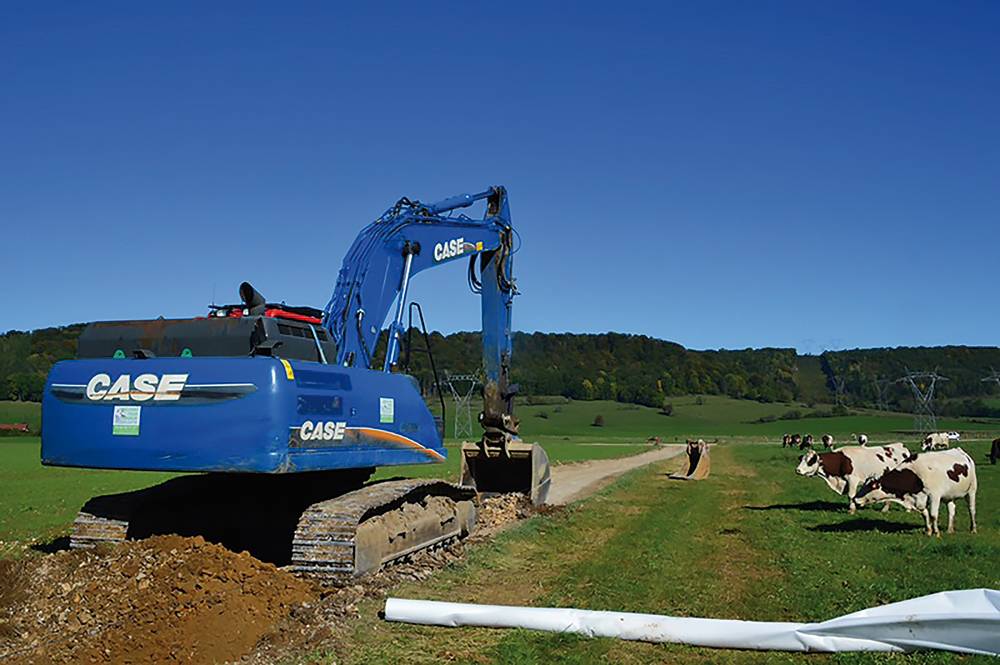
x=377 y=525
x=90 y=530
x=290 y=520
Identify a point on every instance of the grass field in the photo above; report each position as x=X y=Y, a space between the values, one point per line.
x=713 y=417
x=22 y=412
x=38 y=503
x=754 y=541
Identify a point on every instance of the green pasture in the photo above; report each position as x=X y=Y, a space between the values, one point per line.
x=38 y=503
x=753 y=541
x=22 y=412
x=712 y=416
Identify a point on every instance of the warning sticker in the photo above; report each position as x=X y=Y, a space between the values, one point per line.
x=386 y=409
x=126 y=421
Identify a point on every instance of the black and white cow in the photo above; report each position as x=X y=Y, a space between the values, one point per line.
x=995 y=451
x=845 y=469
x=923 y=482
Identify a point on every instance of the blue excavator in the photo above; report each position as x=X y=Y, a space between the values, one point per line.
x=282 y=415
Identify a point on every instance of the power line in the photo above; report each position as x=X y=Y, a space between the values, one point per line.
x=922 y=384
x=840 y=386
x=462 y=387
x=993 y=376
x=881 y=393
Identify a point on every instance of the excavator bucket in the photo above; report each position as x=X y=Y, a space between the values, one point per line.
x=524 y=468
x=699 y=462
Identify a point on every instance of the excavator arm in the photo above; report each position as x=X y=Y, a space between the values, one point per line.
x=411 y=237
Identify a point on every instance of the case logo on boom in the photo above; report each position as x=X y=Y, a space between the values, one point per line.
x=166 y=387
x=453 y=248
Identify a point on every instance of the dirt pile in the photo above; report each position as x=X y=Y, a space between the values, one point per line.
x=174 y=599
x=162 y=599
x=498 y=511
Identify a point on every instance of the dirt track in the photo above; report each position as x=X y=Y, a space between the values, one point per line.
x=572 y=482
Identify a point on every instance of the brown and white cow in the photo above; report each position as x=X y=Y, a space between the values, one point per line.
x=935 y=441
x=845 y=469
x=923 y=482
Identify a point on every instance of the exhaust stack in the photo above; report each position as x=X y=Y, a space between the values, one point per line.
x=252 y=299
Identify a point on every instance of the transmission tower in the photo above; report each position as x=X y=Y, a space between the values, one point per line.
x=881 y=393
x=994 y=376
x=462 y=387
x=922 y=384
x=840 y=385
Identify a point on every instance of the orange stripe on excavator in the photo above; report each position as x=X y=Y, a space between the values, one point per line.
x=393 y=437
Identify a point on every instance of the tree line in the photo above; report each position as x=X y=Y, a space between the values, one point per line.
x=627 y=368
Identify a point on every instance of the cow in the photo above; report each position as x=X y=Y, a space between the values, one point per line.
x=862 y=440
x=936 y=441
x=786 y=441
x=995 y=451
x=15 y=427
x=827 y=441
x=923 y=482
x=845 y=469
x=796 y=440
x=807 y=442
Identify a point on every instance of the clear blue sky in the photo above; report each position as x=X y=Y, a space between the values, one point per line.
x=817 y=175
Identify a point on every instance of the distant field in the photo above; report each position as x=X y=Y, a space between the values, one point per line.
x=721 y=417
x=22 y=412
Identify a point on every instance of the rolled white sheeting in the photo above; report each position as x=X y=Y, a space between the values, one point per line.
x=962 y=621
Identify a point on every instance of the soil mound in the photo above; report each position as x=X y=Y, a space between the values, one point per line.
x=173 y=599
x=162 y=599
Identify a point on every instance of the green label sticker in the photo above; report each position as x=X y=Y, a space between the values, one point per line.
x=126 y=421
x=386 y=409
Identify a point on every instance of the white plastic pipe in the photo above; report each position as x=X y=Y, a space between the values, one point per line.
x=963 y=621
